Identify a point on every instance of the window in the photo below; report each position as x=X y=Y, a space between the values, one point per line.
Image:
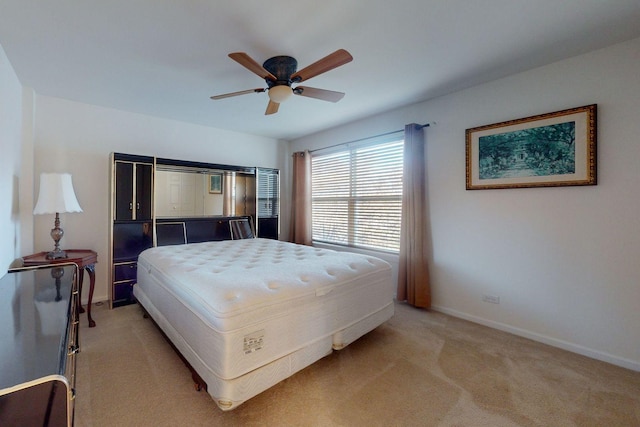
x=357 y=195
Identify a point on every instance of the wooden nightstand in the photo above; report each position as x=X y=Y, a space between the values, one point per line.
x=86 y=259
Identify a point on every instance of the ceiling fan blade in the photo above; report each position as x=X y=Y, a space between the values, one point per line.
x=242 y=92
x=323 y=94
x=329 y=62
x=272 y=108
x=250 y=64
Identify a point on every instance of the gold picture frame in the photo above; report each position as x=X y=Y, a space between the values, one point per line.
x=547 y=150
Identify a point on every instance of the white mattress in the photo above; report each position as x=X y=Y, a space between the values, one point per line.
x=249 y=313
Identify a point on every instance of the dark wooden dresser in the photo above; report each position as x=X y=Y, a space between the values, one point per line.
x=38 y=345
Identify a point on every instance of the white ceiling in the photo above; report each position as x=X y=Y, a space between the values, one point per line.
x=166 y=57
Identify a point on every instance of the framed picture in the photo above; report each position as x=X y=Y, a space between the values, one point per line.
x=215 y=183
x=553 y=149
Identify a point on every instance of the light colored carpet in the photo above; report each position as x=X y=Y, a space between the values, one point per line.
x=419 y=369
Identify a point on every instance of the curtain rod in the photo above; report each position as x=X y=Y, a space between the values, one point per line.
x=368 y=137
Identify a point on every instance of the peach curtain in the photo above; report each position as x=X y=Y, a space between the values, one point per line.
x=300 y=231
x=413 y=269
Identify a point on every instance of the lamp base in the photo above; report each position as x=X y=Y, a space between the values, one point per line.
x=56 y=235
x=57 y=253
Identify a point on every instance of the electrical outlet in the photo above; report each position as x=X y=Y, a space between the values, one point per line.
x=491 y=298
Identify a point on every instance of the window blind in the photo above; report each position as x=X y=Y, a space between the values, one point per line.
x=357 y=196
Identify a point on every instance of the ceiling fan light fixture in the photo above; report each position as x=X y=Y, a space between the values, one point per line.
x=279 y=72
x=280 y=93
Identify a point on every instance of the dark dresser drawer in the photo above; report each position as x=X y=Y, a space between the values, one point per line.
x=125 y=271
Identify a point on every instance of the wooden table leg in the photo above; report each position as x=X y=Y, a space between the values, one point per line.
x=92 y=283
x=91 y=269
x=80 y=309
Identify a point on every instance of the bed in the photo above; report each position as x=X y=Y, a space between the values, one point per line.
x=246 y=314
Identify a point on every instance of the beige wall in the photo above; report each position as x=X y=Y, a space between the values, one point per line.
x=564 y=261
x=78 y=138
x=10 y=159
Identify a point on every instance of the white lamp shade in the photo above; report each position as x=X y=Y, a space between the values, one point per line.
x=56 y=194
x=280 y=93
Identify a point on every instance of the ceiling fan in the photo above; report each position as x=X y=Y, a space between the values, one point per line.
x=280 y=73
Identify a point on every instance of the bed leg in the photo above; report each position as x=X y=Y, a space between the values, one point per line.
x=198 y=382
x=145 y=313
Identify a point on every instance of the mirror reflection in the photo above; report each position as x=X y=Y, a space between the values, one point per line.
x=193 y=192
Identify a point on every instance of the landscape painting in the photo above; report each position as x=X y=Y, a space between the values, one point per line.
x=554 y=149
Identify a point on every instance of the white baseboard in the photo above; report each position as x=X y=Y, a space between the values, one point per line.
x=565 y=345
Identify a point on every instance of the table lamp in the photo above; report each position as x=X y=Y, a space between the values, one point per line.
x=56 y=196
